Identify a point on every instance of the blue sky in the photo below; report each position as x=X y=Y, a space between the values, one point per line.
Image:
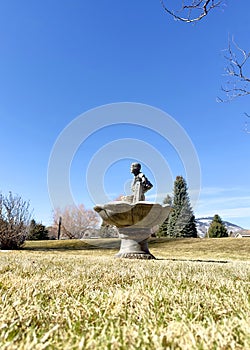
x=59 y=60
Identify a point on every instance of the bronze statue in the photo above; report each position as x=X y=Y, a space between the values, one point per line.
x=140 y=184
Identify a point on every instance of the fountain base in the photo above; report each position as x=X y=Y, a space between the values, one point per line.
x=134 y=243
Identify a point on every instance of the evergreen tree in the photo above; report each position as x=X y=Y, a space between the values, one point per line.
x=164 y=226
x=217 y=229
x=37 y=232
x=168 y=200
x=181 y=220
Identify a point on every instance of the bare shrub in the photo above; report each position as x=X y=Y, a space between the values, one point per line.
x=14 y=221
x=75 y=220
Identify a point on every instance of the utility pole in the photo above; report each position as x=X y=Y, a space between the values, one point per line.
x=59 y=228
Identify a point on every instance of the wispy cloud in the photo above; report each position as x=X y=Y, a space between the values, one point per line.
x=226 y=213
x=237 y=201
x=215 y=191
x=232 y=204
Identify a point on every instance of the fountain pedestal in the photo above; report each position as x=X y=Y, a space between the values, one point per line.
x=134 y=243
x=134 y=222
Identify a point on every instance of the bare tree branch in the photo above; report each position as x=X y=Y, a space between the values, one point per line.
x=191 y=10
x=246 y=128
x=237 y=71
x=76 y=220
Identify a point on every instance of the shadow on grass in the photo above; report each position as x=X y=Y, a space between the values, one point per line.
x=71 y=245
x=197 y=260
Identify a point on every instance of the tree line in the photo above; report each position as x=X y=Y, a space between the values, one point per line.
x=17 y=226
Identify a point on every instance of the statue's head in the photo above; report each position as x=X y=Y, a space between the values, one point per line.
x=135 y=168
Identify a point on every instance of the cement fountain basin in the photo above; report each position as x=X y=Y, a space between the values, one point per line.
x=135 y=222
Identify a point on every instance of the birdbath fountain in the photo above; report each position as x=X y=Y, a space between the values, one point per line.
x=134 y=217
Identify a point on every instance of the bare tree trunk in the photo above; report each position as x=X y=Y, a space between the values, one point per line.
x=59 y=228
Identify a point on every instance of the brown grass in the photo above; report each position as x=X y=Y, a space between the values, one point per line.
x=78 y=298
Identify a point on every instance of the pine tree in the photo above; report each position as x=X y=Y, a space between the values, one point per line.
x=217 y=229
x=164 y=226
x=181 y=221
x=37 y=232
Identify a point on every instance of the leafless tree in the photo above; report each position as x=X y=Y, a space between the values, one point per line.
x=237 y=68
x=190 y=11
x=75 y=220
x=237 y=72
x=14 y=221
x=247 y=129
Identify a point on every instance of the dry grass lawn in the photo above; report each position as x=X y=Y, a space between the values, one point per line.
x=76 y=295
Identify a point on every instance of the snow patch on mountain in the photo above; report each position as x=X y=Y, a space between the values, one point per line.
x=202 y=225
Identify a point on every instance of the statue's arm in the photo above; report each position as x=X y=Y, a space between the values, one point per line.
x=146 y=183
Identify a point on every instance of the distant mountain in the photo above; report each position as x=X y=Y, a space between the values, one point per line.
x=203 y=224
